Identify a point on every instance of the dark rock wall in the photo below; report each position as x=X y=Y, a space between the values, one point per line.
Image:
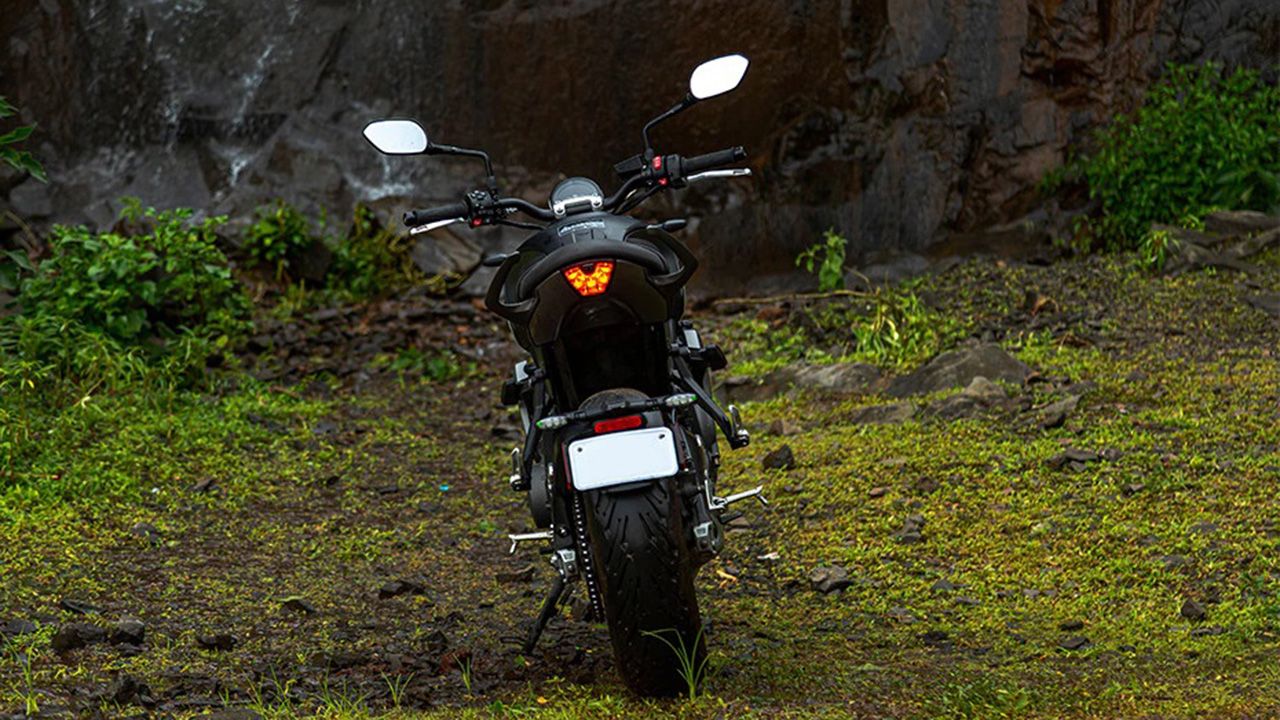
x=898 y=122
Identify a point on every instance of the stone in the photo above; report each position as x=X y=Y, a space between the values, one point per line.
x=836 y=377
x=77 y=635
x=128 y=631
x=1208 y=631
x=1055 y=413
x=78 y=607
x=1239 y=222
x=394 y=588
x=984 y=391
x=217 y=641
x=781 y=459
x=31 y=200
x=126 y=689
x=17 y=627
x=523 y=575
x=892 y=414
x=1175 y=562
x=1192 y=610
x=879 y=491
x=1074 y=642
x=912 y=531
x=146 y=531
x=299 y=605
x=829 y=578
x=958 y=368
x=943 y=585
x=1071 y=625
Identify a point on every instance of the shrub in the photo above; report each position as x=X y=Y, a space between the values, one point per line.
x=278 y=236
x=828 y=256
x=372 y=259
x=163 y=297
x=1201 y=140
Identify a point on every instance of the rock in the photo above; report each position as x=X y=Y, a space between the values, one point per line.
x=1268 y=303
x=76 y=606
x=967 y=601
x=784 y=427
x=1204 y=528
x=943 y=585
x=1132 y=489
x=1239 y=222
x=879 y=491
x=17 y=627
x=1074 y=642
x=446 y=252
x=1055 y=413
x=1193 y=610
x=829 y=578
x=912 y=531
x=128 y=631
x=836 y=377
x=1208 y=631
x=958 y=368
x=1076 y=458
x=523 y=575
x=1175 y=562
x=299 y=605
x=77 y=635
x=127 y=689
x=891 y=414
x=978 y=394
x=395 y=588
x=984 y=391
x=902 y=615
x=30 y=200
x=146 y=531
x=1071 y=625
x=218 y=641
x=233 y=714
x=780 y=459
x=936 y=637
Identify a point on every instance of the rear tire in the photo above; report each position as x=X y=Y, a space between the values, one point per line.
x=644 y=570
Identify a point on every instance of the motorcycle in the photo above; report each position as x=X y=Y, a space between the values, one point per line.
x=620 y=455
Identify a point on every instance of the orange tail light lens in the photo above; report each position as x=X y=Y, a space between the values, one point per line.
x=590 y=278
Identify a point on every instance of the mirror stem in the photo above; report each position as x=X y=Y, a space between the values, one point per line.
x=437 y=149
x=673 y=110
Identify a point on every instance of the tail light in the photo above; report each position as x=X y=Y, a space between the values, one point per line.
x=626 y=422
x=590 y=278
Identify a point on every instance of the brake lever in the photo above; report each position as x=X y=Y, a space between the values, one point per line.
x=437 y=224
x=712 y=174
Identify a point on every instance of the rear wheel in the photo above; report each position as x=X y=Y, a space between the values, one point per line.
x=643 y=569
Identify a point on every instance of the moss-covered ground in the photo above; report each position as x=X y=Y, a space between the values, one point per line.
x=283 y=516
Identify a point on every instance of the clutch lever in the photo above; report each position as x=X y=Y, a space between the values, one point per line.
x=712 y=174
x=433 y=225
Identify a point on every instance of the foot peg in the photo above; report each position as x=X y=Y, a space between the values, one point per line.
x=755 y=492
x=518 y=538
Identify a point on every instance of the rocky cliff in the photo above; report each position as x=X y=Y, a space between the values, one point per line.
x=899 y=122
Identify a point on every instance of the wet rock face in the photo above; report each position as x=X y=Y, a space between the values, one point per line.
x=898 y=123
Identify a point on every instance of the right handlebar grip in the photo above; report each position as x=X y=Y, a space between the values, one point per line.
x=414 y=218
x=698 y=163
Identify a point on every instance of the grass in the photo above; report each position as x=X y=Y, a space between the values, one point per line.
x=1185 y=381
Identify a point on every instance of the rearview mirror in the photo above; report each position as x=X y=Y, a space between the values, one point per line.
x=716 y=77
x=397 y=137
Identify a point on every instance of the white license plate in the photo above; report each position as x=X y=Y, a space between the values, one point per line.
x=622 y=457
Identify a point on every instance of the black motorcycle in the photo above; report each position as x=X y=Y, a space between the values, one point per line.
x=620 y=450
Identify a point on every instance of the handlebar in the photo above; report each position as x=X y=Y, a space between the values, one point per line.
x=666 y=171
x=698 y=163
x=414 y=218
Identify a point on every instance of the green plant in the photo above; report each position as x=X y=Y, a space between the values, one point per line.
x=828 y=257
x=279 y=236
x=437 y=366
x=692 y=670
x=980 y=699
x=1201 y=139
x=371 y=259
x=396 y=687
x=464 y=669
x=19 y=159
x=1155 y=247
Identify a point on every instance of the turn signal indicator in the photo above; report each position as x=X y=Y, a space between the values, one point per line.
x=590 y=278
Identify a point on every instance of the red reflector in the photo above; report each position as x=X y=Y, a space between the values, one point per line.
x=626 y=422
x=591 y=278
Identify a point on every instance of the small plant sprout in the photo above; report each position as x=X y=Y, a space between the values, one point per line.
x=396 y=686
x=464 y=668
x=828 y=258
x=692 y=670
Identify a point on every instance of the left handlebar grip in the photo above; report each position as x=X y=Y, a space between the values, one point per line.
x=414 y=218
x=698 y=163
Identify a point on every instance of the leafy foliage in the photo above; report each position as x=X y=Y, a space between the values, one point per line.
x=372 y=258
x=279 y=235
x=828 y=256
x=1202 y=140
x=19 y=159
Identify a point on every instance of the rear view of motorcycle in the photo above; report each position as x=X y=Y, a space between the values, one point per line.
x=620 y=452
